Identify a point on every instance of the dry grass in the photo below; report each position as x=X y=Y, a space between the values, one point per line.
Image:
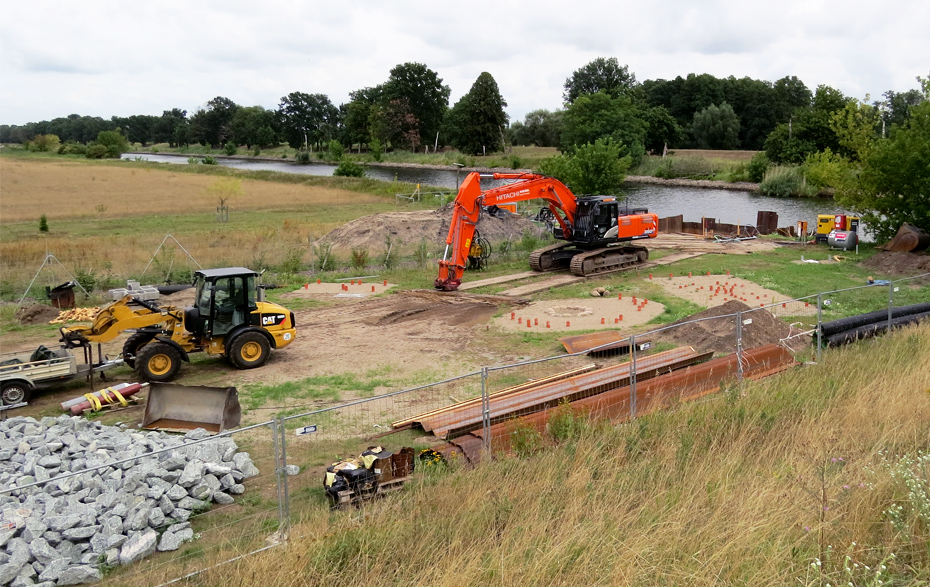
x=70 y=189
x=714 y=154
x=107 y=220
x=743 y=489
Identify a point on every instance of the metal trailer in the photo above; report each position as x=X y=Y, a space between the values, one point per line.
x=23 y=372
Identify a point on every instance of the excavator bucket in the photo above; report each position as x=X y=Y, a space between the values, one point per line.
x=181 y=408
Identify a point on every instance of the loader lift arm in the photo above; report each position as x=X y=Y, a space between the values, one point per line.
x=467 y=208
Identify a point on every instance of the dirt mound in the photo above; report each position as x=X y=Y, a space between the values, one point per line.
x=36 y=314
x=720 y=335
x=409 y=228
x=891 y=263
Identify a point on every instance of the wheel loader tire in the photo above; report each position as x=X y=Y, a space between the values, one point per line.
x=249 y=350
x=14 y=392
x=159 y=362
x=133 y=345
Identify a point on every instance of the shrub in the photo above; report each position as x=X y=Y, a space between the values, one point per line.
x=210 y=160
x=302 y=157
x=566 y=423
x=515 y=162
x=46 y=142
x=72 y=148
x=293 y=260
x=230 y=148
x=757 y=167
x=349 y=169
x=96 y=151
x=825 y=169
x=359 y=257
x=256 y=152
x=376 y=149
x=524 y=438
x=422 y=253
x=114 y=141
x=43 y=223
x=782 y=182
x=193 y=160
x=336 y=150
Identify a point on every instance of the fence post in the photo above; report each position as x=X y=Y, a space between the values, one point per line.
x=632 y=377
x=739 y=347
x=890 y=303
x=285 y=497
x=485 y=411
x=819 y=322
x=278 y=471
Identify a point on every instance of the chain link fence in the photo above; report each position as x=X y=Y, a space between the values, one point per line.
x=251 y=509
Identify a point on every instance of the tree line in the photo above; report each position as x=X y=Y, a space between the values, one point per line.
x=408 y=111
x=602 y=100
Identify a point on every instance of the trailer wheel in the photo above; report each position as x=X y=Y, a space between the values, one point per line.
x=249 y=350
x=14 y=392
x=133 y=345
x=158 y=362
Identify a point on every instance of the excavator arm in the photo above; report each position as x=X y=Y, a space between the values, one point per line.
x=467 y=209
x=119 y=317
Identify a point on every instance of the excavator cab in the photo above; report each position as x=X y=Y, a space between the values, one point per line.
x=223 y=300
x=595 y=221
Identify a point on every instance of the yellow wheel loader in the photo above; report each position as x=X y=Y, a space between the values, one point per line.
x=229 y=317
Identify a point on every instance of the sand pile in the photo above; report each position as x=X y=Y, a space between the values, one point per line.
x=720 y=335
x=409 y=228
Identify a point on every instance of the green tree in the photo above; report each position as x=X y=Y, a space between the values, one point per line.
x=172 y=127
x=247 y=124
x=140 y=128
x=855 y=127
x=716 y=127
x=541 y=128
x=307 y=119
x=113 y=141
x=210 y=124
x=426 y=98
x=893 y=186
x=357 y=112
x=477 y=121
x=661 y=129
x=592 y=168
x=599 y=116
x=600 y=75
x=46 y=142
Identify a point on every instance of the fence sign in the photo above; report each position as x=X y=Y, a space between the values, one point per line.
x=306 y=430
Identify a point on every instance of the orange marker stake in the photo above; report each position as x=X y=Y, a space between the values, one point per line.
x=547 y=324
x=535 y=321
x=385 y=283
x=616 y=320
x=650 y=276
x=621 y=317
x=306 y=286
x=372 y=289
x=318 y=281
x=567 y=324
x=602 y=321
x=520 y=320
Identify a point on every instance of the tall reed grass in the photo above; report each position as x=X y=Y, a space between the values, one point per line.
x=785 y=481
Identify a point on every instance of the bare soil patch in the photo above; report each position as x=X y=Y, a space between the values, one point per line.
x=409 y=228
x=717 y=290
x=590 y=313
x=36 y=314
x=899 y=264
x=354 y=289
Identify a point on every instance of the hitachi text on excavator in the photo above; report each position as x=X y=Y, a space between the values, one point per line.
x=593 y=229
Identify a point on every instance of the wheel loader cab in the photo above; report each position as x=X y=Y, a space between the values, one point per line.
x=223 y=300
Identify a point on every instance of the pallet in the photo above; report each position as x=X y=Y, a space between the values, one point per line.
x=347 y=496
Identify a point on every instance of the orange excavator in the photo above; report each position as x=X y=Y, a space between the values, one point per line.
x=592 y=227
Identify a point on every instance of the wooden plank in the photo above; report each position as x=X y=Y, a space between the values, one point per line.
x=496 y=280
x=538 y=286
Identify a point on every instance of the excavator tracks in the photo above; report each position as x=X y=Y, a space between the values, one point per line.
x=585 y=263
x=551 y=258
x=607 y=260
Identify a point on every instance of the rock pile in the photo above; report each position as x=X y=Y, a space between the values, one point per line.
x=63 y=531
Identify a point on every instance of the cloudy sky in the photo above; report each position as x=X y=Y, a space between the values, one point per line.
x=106 y=58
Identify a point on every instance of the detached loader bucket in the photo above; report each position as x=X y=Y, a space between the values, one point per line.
x=181 y=408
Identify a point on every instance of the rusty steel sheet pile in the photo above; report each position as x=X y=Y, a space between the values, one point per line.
x=603 y=341
x=680 y=386
x=461 y=419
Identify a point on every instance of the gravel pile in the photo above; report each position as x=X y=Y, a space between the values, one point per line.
x=65 y=531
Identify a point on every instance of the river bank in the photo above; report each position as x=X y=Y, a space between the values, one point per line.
x=742 y=186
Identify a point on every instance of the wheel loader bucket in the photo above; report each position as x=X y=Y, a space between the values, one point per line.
x=181 y=408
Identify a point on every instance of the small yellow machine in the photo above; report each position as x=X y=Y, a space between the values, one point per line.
x=827 y=223
x=229 y=317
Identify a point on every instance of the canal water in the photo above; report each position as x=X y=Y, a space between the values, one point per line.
x=729 y=206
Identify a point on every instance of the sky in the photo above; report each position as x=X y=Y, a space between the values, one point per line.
x=106 y=58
